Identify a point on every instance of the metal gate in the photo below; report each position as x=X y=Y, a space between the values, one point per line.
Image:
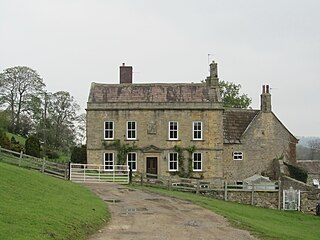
x=291 y=199
x=93 y=173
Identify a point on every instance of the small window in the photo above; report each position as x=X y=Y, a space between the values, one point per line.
x=108 y=161
x=197 y=161
x=173 y=162
x=237 y=155
x=197 y=130
x=108 y=130
x=131 y=130
x=173 y=130
x=132 y=160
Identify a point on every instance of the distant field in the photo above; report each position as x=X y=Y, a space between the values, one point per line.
x=263 y=223
x=39 y=207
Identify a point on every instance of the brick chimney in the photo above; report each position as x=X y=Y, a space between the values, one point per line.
x=125 y=74
x=265 y=99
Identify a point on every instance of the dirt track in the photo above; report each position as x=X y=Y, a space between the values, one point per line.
x=143 y=215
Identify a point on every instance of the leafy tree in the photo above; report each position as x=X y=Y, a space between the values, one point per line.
x=230 y=94
x=4 y=140
x=17 y=86
x=79 y=154
x=4 y=120
x=33 y=146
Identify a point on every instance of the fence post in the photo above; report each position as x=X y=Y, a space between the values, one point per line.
x=130 y=174
x=279 y=194
x=141 y=179
x=225 y=191
x=20 y=157
x=43 y=165
x=252 y=194
x=66 y=171
x=198 y=186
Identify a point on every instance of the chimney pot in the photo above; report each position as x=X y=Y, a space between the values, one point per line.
x=267 y=88
x=263 y=89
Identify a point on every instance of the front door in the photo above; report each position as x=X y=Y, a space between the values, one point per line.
x=152 y=167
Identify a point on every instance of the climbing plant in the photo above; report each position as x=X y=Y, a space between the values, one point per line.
x=190 y=150
x=122 y=149
x=182 y=171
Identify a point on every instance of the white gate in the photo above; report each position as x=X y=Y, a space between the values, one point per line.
x=93 y=173
x=291 y=199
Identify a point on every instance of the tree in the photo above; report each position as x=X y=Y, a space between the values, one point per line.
x=79 y=154
x=314 y=146
x=33 y=146
x=230 y=94
x=4 y=140
x=62 y=110
x=17 y=86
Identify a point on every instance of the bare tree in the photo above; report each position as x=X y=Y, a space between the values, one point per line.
x=314 y=146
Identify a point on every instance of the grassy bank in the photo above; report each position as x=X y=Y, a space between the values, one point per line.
x=263 y=223
x=36 y=206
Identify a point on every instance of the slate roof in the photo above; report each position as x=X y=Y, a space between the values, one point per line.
x=235 y=122
x=158 y=92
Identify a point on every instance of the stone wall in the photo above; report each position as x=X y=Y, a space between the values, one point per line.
x=152 y=130
x=266 y=199
x=265 y=140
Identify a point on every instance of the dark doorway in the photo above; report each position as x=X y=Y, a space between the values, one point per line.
x=152 y=167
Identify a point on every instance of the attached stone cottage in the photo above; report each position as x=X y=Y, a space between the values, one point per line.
x=170 y=128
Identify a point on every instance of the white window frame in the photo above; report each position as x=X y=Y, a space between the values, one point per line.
x=194 y=130
x=108 y=167
x=132 y=161
x=109 y=129
x=173 y=131
x=134 y=130
x=197 y=161
x=237 y=155
x=172 y=160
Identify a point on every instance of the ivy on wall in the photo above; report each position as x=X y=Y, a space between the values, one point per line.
x=122 y=149
x=181 y=159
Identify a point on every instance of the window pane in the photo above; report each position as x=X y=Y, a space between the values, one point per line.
x=173 y=161
x=108 y=130
x=131 y=130
x=173 y=130
x=108 y=161
x=132 y=161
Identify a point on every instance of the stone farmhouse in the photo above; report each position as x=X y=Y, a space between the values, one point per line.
x=164 y=129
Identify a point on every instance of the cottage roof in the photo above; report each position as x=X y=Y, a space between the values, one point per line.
x=235 y=122
x=157 y=92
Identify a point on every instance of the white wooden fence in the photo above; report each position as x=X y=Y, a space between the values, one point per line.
x=92 y=173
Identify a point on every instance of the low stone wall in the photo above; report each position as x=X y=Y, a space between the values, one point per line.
x=266 y=199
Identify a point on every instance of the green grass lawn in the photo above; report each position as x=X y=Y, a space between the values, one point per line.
x=36 y=206
x=261 y=222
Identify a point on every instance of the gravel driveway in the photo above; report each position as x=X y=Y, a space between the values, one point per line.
x=142 y=215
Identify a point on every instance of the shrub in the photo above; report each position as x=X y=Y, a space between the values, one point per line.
x=79 y=154
x=4 y=140
x=33 y=146
x=297 y=173
x=52 y=154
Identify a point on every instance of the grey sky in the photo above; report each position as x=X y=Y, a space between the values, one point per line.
x=72 y=43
